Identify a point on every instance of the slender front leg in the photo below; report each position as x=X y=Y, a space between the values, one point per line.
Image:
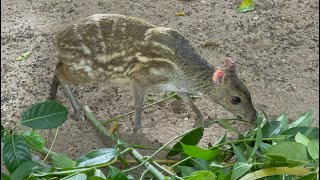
x=138 y=96
x=54 y=88
x=74 y=102
x=188 y=100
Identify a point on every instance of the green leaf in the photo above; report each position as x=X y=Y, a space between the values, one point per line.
x=5 y=177
x=239 y=169
x=24 y=56
x=261 y=119
x=79 y=176
x=227 y=126
x=2 y=130
x=97 y=157
x=192 y=138
x=275 y=171
x=283 y=119
x=309 y=132
x=311 y=176
x=15 y=152
x=250 y=133
x=246 y=5
x=257 y=142
x=25 y=169
x=99 y=173
x=33 y=139
x=200 y=164
x=95 y=178
x=248 y=151
x=214 y=164
x=116 y=174
x=265 y=147
x=271 y=128
x=186 y=170
x=289 y=151
x=304 y=120
x=313 y=149
x=197 y=152
x=300 y=138
x=62 y=161
x=201 y=175
x=239 y=153
x=45 y=115
x=222 y=139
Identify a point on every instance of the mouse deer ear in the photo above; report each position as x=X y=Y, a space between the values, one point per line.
x=229 y=64
x=218 y=76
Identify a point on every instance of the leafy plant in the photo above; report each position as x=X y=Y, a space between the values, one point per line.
x=275 y=149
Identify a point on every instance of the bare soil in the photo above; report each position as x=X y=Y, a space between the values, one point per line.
x=276 y=47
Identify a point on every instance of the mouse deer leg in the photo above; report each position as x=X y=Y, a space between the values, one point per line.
x=188 y=100
x=73 y=100
x=54 y=88
x=138 y=96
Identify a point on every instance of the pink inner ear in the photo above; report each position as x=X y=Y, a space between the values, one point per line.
x=229 y=64
x=218 y=76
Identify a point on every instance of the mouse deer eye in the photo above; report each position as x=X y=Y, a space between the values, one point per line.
x=235 y=100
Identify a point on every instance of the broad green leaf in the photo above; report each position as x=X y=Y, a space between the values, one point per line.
x=116 y=174
x=271 y=128
x=227 y=126
x=79 y=176
x=5 y=177
x=304 y=120
x=313 y=149
x=265 y=147
x=34 y=140
x=239 y=153
x=24 y=56
x=257 y=142
x=192 y=138
x=201 y=175
x=246 y=5
x=15 y=152
x=275 y=171
x=283 y=119
x=97 y=157
x=239 y=169
x=45 y=115
x=197 y=152
x=311 y=176
x=99 y=173
x=25 y=169
x=62 y=161
x=186 y=170
x=300 y=138
x=309 y=132
x=289 y=151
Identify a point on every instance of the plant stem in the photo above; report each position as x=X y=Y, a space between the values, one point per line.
x=49 y=150
x=123 y=145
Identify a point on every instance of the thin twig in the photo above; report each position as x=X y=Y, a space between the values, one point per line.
x=54 y=139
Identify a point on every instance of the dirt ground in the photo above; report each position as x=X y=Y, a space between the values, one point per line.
x=276 y=47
